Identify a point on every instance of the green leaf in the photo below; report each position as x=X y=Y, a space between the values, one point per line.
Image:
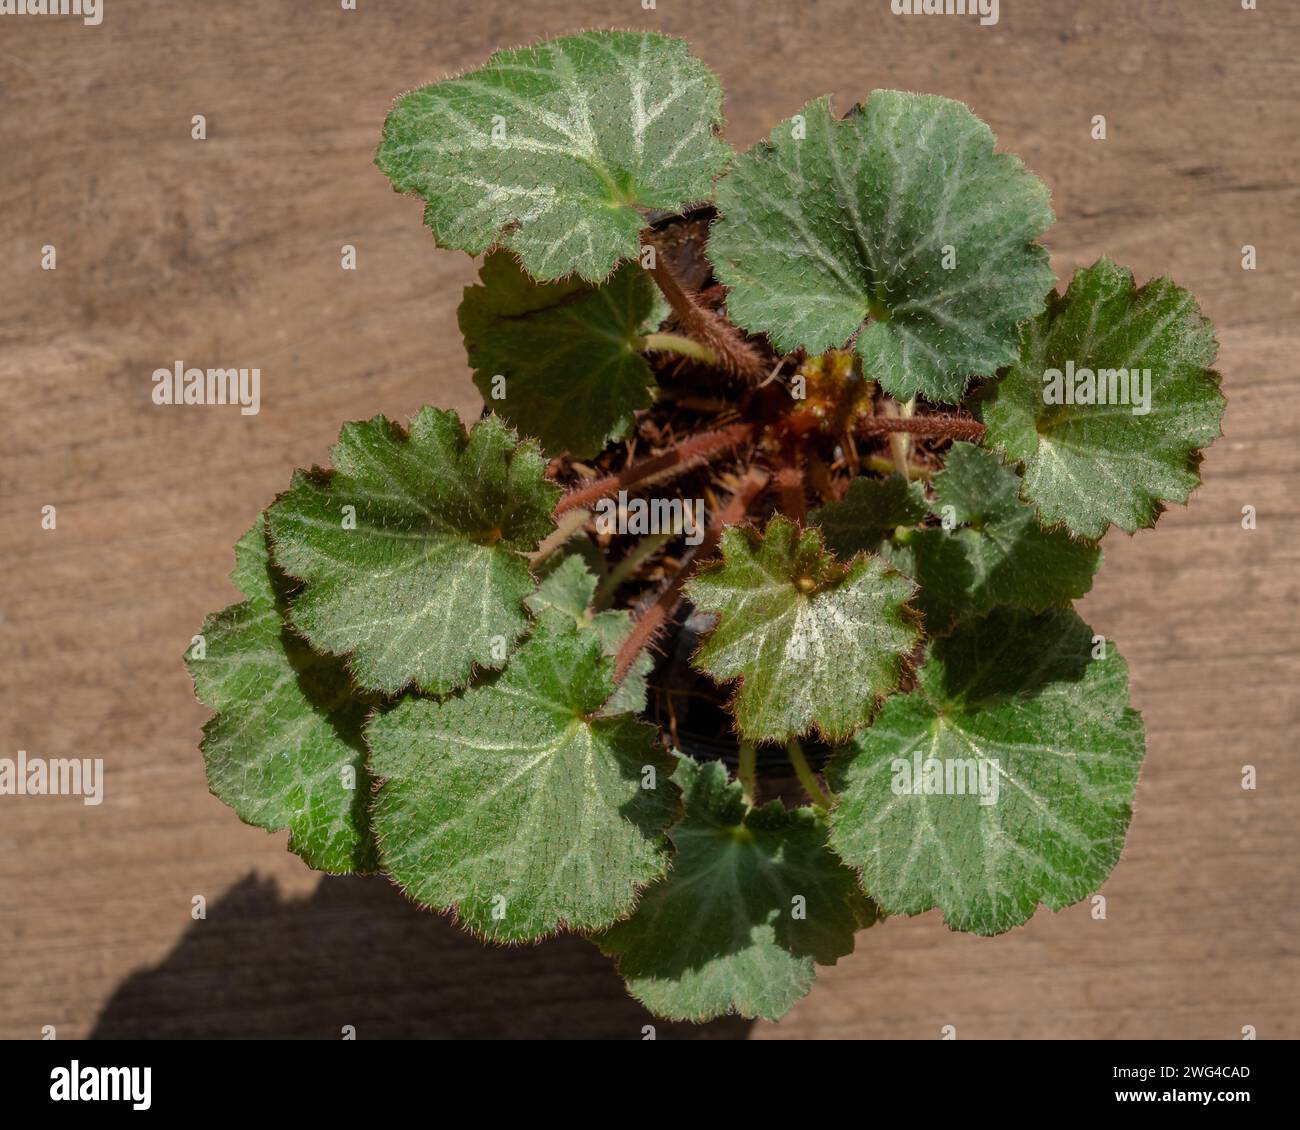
x=995 y=553
x=1009 y=558
x=556 y=150
x=412 y=550
x=569 y=352
x=858 y=218
x=1013 y=559
x=1017 y=700
x=516 y=804
x=869 y=513
x=1089 y=465
x=878 y=516
x=567 y=586
x=284 y=749
x=940 y=563
x=753 y=900
x=813 y=642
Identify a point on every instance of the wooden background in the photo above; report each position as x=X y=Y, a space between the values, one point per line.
x=226 y=252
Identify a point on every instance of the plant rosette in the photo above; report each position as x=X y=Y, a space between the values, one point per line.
x=792 y=466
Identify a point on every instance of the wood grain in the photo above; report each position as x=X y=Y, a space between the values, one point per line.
x=226 y=252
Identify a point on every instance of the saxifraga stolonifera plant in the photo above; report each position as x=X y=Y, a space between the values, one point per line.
x=814 y=462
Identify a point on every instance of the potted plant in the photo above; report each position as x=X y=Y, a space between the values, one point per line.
x=791 y=459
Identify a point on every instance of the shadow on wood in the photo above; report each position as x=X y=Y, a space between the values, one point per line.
x=355 y=952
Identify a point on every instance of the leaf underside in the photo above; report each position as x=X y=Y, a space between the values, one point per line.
x=814 y=642
x=555 y=150
x=516 y=804
x=1090 y=465
x=412 y=550
x=1013 y=700
x=284 y=749
x=569 y=352
x=754 y=899
x=901 y=212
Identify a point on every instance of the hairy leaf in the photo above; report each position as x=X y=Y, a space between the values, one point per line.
x=515 y=804
x=869 y=513
x=412 y=550
x=569 y=352
x=994 y=551
x=284 y=749
x=1090 y=464
x=753 y=900
x=568 y=586
x=940 y=563
x=1013 y=559
x=554 y=150
x=814 y=642
x=901 y=213
x=1005 y=780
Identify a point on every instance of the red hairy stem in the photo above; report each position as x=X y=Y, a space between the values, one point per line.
x=656 y=616
x=939 y=426
x=675 y=461
x=793 y=504
x=738 y=357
